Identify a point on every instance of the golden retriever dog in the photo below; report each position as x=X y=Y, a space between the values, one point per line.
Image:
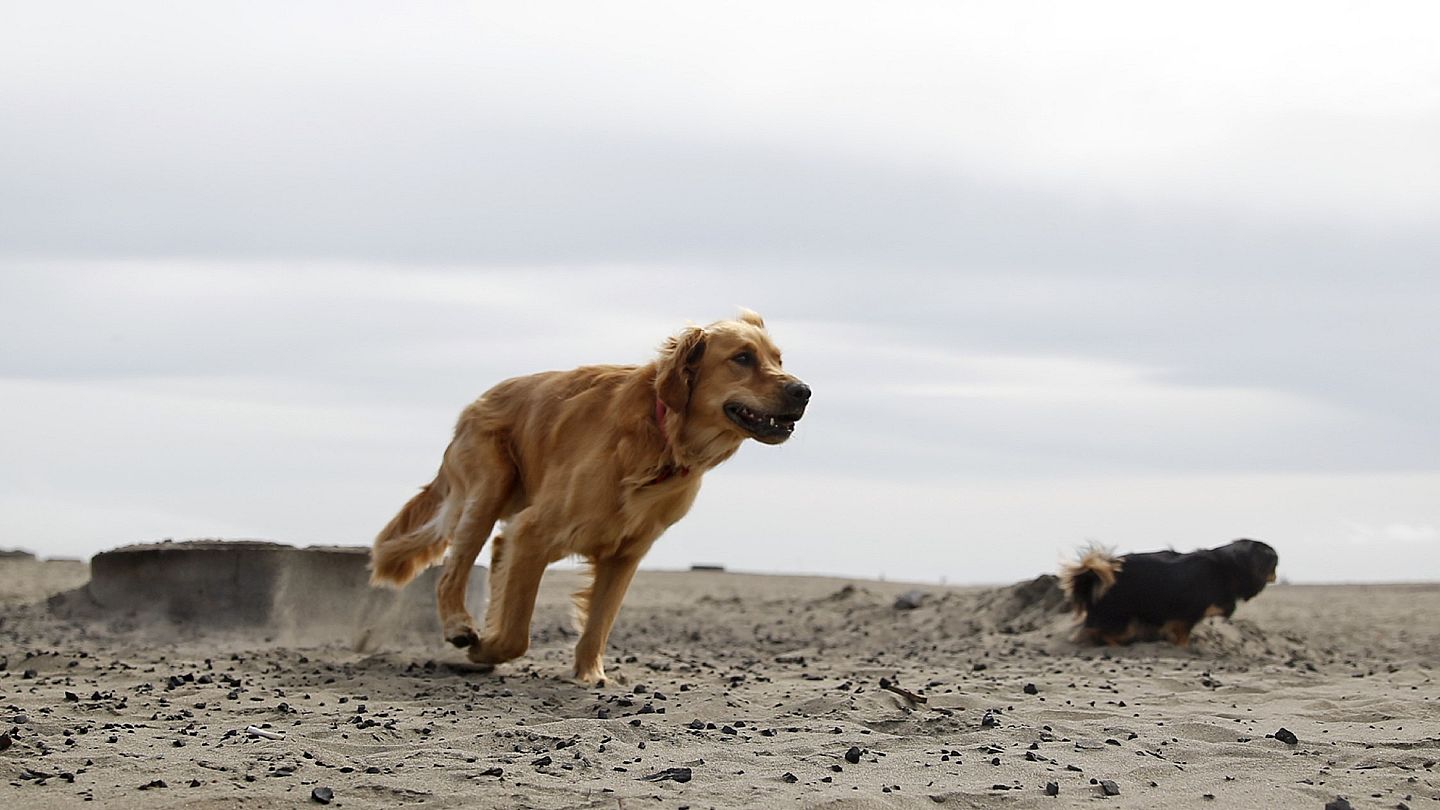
x=596 y=462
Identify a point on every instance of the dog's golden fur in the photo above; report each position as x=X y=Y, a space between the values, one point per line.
x=595 y=462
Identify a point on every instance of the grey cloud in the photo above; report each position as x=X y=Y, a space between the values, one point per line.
x=511 y=229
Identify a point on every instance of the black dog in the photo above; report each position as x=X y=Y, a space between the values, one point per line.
x=1163 y=594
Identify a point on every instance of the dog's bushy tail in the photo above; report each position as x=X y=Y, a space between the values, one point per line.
x=413 y=540
x=1088 y=578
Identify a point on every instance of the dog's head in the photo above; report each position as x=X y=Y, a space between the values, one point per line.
x=1252 y=565
x=725 y=380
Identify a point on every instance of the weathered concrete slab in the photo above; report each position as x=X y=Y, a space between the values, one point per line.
x=319 y=594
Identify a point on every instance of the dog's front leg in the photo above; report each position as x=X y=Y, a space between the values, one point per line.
x=607 y=591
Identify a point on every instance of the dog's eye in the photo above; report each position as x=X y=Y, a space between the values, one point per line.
x=744 y=359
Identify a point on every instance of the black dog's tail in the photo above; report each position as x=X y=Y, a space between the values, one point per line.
x=1088 y=578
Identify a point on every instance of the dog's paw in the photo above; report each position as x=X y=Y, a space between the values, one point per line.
x=591 y=676
x=490 y=651
x=464 y=639
x=460 y=633
x=591 y=672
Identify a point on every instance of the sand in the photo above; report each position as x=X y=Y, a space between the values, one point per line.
x=732 y=690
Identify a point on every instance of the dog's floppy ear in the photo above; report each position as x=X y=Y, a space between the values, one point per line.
x=677 y=368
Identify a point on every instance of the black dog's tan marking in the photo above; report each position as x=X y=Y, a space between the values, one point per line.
x=1163 y=594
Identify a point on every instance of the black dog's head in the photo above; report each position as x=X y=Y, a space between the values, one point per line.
x=1252 y=565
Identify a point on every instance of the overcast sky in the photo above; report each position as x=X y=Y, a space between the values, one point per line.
x=1134 y=273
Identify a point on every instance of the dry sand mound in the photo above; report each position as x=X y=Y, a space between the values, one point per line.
x=1023 y=607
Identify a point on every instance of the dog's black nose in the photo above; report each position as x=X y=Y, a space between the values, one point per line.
x=798 y=391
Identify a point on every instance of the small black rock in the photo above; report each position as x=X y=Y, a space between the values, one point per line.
x=158 y=783
x=989 y=720
x=1052 y=788
x=1031 y=689
x=1109 y=787
x=323 y=795
x=681 y=775
x=493 y=772
x=1286 y=736
x=541 y=762
x=789 y=777
x=1339 y=803
x=853 y=756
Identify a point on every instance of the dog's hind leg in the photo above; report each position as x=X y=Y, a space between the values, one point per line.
x=1178 y=631
x=1116 y=636
x=484 y=502
x=600 y=604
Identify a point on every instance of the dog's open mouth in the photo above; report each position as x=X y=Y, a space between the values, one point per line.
x=768 y=428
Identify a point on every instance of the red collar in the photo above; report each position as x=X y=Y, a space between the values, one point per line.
x=669 y=470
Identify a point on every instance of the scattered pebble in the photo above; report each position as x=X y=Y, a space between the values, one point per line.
x=681 y=775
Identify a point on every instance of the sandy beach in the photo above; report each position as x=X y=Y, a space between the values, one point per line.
x=735 y=690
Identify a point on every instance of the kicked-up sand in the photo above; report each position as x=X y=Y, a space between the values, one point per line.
x=733 y=690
